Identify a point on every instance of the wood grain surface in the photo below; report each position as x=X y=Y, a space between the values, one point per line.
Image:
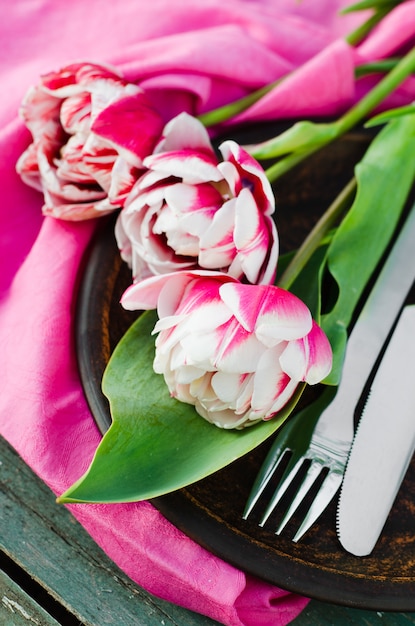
x=52 y=572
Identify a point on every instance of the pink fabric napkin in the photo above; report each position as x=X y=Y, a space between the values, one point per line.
x=188 y=57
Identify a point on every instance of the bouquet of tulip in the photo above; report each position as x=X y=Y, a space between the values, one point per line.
x=241 y=331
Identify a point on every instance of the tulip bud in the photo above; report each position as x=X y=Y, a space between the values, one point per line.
x=237 y=352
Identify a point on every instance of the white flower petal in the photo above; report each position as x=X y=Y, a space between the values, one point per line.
x=238 y=351
x=251 y=173
x=272 y=313
x=189 y=166
x=270 y=381
x=308 y=359
x=184 y=132
x=234 y=389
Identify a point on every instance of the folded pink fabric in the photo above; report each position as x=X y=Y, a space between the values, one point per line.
x=188 y=57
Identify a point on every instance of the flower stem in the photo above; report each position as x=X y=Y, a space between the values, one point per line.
x=364 y=29
x=377 y=67
x=226 y=112
x=351 y=118
x=317 y=234
x=384 y=88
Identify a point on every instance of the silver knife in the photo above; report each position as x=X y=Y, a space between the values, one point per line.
x=383 y=445
x=377 y=318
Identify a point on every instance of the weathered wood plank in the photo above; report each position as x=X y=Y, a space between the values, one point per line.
x=45 y=541
x=49 y=544
x=17 y=608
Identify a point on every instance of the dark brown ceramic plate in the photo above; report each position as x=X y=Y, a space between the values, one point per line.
x=210 y=511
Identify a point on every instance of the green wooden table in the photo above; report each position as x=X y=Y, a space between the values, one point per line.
x=53 y=573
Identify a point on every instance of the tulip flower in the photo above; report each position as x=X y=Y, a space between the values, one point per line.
x=91 y=130
x=237 y=352
x=191 y=211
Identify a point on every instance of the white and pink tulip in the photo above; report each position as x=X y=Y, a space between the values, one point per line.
x=191 y=210
x=237 y=352
x=91 y=130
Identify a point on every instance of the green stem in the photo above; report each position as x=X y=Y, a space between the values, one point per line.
x=317 y=234
x=365 y=5
x=287 y=163
x=377 y=67
x=364 y=29
x=384 y=88
x=356 y=114
x=226 y=112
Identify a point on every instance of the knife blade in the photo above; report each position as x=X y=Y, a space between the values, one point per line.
x=367 y=338
x=376 y=318
x=383 y=445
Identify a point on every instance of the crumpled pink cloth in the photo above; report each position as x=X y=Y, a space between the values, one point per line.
x=189 y=57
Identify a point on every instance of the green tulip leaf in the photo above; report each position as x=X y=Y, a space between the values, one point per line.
x=386 y=116
x=385 y=176
x=155 y=443
x=307 y=285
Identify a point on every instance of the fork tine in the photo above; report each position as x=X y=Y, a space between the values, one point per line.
x=298 y=429
x=290 y=472
x=309 y=479
x=269 y=467
x=327 y=491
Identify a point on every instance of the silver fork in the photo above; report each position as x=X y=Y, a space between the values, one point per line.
x=328 y=448
x=323 y=434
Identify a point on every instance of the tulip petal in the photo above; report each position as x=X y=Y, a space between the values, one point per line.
x=271 y=312
x=238 y=351
x=76 y=212
x=308 y=359
x=75 y=113
x=185 y=374
x=40 y=113
x=185 y=132
x=272 y=386
x=28 y=168
x=59 y=191
x=145 y=294
x=131 y=125
x=234 y=389
x=186 y=215
x=187 y=199
x=284 y=396
x=203 y=347
x=217 y=248
x=192 y=167
x=200 y=388
x=123 y=177
x=180 y=241
x=256 y=240
x=251 y=175
x=226 y=418
x=320 y=356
